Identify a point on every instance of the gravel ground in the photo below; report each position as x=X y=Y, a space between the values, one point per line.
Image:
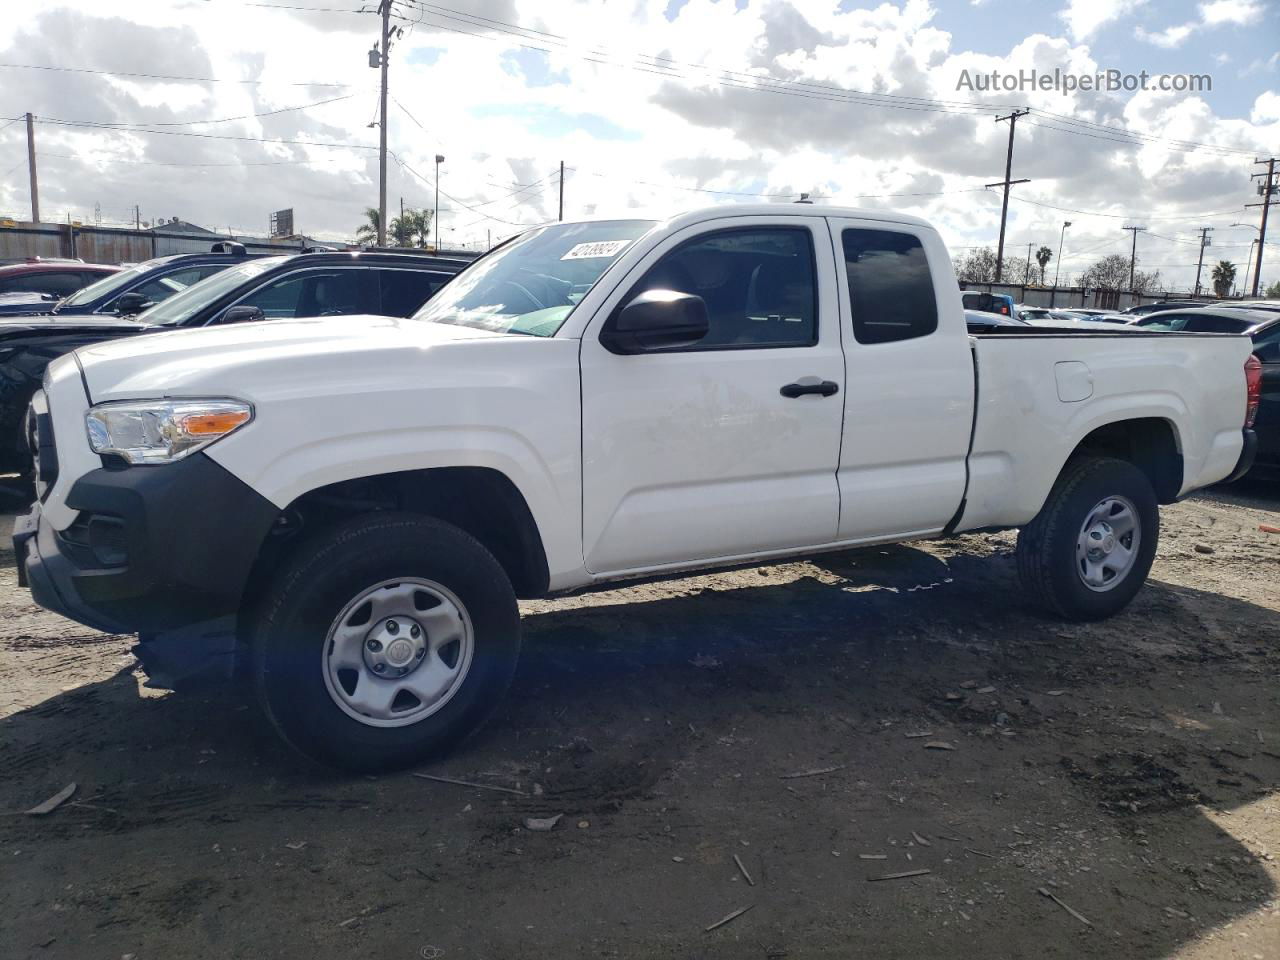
x=1103 y=791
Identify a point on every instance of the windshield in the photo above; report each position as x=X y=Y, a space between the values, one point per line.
x=181 y=307
x=532 y=284
x=108 y=284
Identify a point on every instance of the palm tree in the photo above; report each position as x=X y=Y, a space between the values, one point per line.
x=367 y=232
x=417 y=227
x=1043 y=256
x=1224 y=276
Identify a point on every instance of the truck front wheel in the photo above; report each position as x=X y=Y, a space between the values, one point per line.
x=384 y=642
x=1089 y=550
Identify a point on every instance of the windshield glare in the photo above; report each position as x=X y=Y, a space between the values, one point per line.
x=100 y=288
x=181 y=307
x=532 y=285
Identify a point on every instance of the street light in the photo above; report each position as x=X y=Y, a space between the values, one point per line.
x=1061 y=239
x=436 y=216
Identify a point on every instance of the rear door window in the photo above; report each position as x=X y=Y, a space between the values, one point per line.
x=404 y=291
x=161 y=288
x=890 y=287
x=58 y=282
x=1209 y=323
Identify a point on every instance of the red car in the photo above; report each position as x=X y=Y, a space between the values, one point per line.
x=55 y=278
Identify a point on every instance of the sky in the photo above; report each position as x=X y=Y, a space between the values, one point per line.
x=654 y=106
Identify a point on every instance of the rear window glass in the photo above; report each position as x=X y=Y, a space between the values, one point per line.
x=890 y=288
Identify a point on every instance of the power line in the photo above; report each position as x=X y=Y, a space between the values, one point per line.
x=756 y=82
x=130 y=124
x=165 y=76
x=86 y=124
x=1123 y=216
x=166 y=163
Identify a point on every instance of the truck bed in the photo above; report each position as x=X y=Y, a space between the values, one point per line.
x=1041 y=391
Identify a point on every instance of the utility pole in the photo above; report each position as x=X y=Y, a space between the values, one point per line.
x=1006 y=183
x=31 y=169
x=402 y=216
x=1026 y=274
x=1268 y=189
x=377 y=59
x=137 y=217
x=1133 y=256
x=1204 y=242
x=561 y=217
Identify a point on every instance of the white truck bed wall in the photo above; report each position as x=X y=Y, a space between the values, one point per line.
x=1025 y=429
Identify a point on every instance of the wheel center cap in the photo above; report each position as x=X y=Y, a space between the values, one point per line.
x=400 y=652
x=395 y=646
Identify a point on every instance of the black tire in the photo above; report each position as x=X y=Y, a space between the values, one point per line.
x=288 y=632
x=1047 y=555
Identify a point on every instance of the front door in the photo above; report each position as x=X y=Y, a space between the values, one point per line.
x=699 y=453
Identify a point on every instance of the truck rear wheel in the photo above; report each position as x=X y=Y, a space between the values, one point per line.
x=1089 y=550
x=385 y=642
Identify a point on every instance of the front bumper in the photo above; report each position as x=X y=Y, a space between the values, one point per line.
x=153 y=549
x=1247 y=455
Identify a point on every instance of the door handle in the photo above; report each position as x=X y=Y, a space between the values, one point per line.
x=823 y=388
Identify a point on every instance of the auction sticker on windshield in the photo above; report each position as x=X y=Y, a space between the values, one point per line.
x=600 y=248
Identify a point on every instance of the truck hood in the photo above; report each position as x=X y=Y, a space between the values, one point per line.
x=238 y=360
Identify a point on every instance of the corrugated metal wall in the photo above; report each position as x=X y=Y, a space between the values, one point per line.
x=18 y=241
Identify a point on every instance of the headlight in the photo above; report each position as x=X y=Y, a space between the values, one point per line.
x=162 y=431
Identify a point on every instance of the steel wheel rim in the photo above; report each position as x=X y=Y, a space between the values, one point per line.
x=1108 y=543
x=398 y=652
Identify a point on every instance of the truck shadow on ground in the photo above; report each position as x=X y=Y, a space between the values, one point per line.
x=697 y=698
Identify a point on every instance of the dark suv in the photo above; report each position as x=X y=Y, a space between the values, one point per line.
x=265 y=288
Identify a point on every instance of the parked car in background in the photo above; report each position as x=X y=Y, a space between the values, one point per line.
x=131 y=290
x=979 y=321
x=1104 y=316
x=1266 y=347
x=989 y=302
x=1206 y=320
x=41 y=283
x=324 y=284
x=1142 y=309
x=267 y=288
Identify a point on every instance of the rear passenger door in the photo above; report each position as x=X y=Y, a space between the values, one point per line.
x=909 y=382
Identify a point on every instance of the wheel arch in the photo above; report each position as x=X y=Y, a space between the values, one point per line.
x=1152 y=444
x=482 y=501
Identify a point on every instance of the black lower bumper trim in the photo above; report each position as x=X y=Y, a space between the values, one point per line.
x=190 y=532
x=1247 y=455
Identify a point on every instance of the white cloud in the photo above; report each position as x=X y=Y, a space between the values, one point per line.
x=634 y=141
x=1266 y=109
x=1168 y=38
x=1230 y=11
x=1084 y=17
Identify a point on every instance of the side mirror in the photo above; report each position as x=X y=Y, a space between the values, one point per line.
x=130 y=303
x=657 y=320
x=242 y=314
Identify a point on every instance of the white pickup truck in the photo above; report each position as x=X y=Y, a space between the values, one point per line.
x=350 y=507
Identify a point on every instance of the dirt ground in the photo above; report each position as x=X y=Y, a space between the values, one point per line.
x=1105 y=791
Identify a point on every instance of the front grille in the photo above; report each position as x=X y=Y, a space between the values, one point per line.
x=44 y=455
